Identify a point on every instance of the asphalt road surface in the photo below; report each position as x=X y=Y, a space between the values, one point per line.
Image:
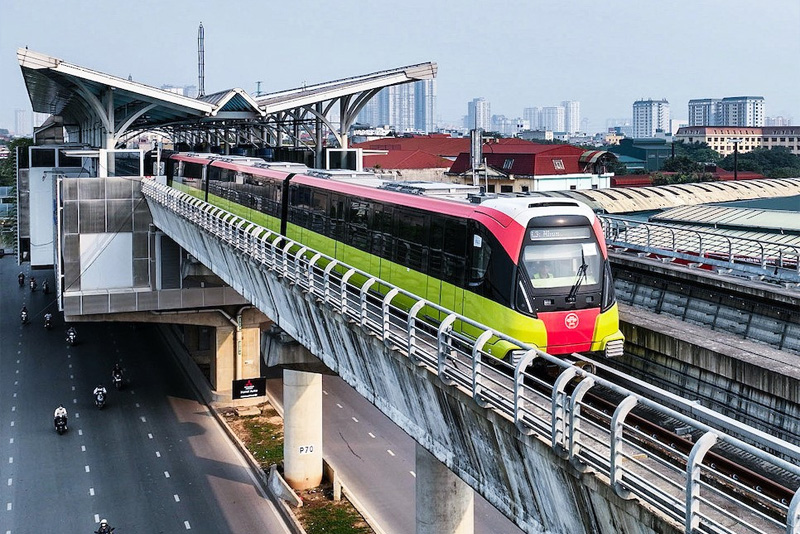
x=153 y=460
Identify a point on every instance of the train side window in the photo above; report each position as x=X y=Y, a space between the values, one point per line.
x=336 y=217
x=412 y=239
x=436 y=238
x=319 y=211
x=357 y=224
x=454 y=257
x=381 y=226
x=480 y=256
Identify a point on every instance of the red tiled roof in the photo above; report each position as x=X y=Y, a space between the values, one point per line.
x=406 y=159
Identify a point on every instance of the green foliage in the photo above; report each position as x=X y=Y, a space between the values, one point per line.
x=681 y=164
x=778 y=162
x=266 y=443
x=330 y=520
x=8 y=170
x=619 y=169
x=697 y=152
x=681 y=178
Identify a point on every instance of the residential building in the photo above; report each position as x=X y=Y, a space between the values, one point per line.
x=479 y=114
x=552 y=118
x=777 y=121
x=572 y=116
x=724 y=139
x=742 y=111
x=533 y=116
x=22 y=123
x=704 y=112
x=649 y=116
x=408 y=108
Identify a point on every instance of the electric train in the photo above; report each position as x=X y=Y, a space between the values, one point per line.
x=533 y=268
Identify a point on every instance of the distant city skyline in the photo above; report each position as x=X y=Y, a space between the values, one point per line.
x=520 y=55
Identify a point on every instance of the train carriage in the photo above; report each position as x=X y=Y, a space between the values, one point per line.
x=533 y=268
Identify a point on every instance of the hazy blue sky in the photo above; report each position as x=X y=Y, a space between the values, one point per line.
x=516 y=53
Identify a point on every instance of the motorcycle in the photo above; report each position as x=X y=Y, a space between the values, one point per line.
x=99 y=400
x=48 y=323
x=33 y=285
x=23 y=315
x=117 y=378
x=61 y=424
x=72 y=338
x=21 y=279
x=45 y=288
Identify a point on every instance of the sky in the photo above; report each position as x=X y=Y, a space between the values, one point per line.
x=514 y=53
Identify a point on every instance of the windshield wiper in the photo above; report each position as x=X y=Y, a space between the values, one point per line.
x=581 y=274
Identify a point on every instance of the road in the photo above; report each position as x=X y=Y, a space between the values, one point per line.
x=377 y=461
x=153 y=460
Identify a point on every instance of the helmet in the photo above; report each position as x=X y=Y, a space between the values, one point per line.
x=60 y=405
x=103 y=522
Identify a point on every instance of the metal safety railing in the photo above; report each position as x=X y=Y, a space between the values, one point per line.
x=771 y=260
x=686 y=487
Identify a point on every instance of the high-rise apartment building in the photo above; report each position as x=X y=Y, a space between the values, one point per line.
x=406 y=108
x=745 y=111
x=533 y=116
x=742 y=111
x=479 y=114
x=572 y=116
x=22 y=122
x=649 y=116
x=552 y=118
x=704 y=112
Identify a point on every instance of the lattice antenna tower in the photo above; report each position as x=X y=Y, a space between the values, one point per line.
x=201 y=62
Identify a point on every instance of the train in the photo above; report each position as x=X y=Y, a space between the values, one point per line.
x=533 y=268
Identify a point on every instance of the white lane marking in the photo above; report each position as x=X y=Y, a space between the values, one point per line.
x=186 y=524
x=8 y=506
x=71 y=377
x=177 y=499
x=149 y=436
x=11 y=441
x=10 y=481
x=137 y=404
x=354 y=419
x=371 y=435
x=16 y=382
x=11 y=459
x=80 y=432
x=17 y=371
x=413 y=474
x=12 y=423
x=339 y=405
x=143 y=419
x=158 y=454
x=166 y=474
x=17 y=361
x=390 y=452
x=15 y=395
x=91 y=492
x=96 y=518
x=87 y=468
x=70 y=366
x=83 y=448
x=73 y=388
x=74 y=401
x=324 y=392
x=13 y=408
x=77 y=415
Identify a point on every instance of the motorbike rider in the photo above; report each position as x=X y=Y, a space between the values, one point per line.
x=99 y=389
x=116 y=372
x=33 y=283
x=48 y=320
x=23 y=314
x=45 y=288
x=72 y=332
x=21 y=279
x=105 y=528
x=60 y=412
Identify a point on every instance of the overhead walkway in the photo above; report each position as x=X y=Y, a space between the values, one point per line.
x=505 y=433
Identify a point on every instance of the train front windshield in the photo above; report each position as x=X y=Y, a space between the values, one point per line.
x=559 y=257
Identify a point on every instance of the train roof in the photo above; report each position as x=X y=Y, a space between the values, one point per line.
x=520 y=208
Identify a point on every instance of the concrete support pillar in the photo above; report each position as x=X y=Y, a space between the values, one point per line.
x=223 y=364
x=302 y=422
x=445 y=504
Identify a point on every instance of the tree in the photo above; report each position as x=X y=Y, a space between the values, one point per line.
x=8 y=166
x=776 y=162
x=697 y=152
x=681 y=164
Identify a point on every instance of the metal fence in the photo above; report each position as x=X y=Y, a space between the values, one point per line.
x=771 y=260
x=687 y=487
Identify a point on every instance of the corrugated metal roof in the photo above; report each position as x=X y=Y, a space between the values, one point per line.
x=632 y=200
x=748 y=219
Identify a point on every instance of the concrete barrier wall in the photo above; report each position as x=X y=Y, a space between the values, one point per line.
x=520 y=475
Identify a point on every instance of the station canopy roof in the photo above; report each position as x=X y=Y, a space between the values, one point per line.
x=81 y=95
